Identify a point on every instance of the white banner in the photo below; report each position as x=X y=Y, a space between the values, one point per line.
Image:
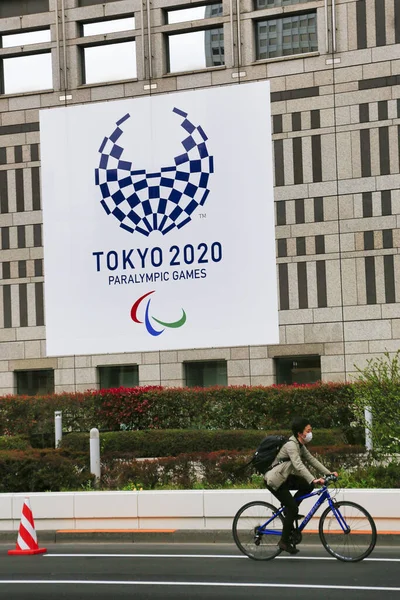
x=159 y=222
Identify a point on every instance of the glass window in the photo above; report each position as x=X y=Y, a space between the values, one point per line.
x=32 y=383
x=10 y=40
x=260 y=4
x=110 y=26
x=27 y=73
x=299 y=369
x=206 y=374
x=110 y=62
x=118 y=376
x=196 y=50
x=193 y=14
x=288 y=35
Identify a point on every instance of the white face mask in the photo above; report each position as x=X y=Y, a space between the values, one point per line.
x=308 y=437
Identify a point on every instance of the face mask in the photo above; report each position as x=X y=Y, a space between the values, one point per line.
x=308 y=437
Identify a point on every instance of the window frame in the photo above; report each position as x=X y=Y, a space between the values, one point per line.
x=168 y=34
x=295 y=358
x=188 y=6
x=17 y=371
x=203 y=362
x=108 y=42
x=134 y=366
x=14 y=54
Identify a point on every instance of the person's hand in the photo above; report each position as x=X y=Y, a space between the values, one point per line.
x=319 y=481
x=334 y=473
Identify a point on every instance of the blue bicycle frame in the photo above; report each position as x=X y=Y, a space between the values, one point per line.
x=323 y=494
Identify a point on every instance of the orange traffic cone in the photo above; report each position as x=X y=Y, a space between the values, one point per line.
x=27 y=540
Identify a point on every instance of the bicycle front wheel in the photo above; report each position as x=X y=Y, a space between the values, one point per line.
x=347 y=531
x=251 y=534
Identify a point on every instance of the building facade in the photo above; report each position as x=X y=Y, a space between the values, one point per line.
x=334 y=71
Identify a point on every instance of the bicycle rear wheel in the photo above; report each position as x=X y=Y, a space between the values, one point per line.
x=247 y=530
x=358 y=538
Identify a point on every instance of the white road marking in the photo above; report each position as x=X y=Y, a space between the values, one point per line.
x=233 y=556
x=201 y=584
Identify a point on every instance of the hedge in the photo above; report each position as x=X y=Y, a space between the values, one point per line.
x=16 y=442
x=171 y=442
x=42 y=471
x=141 y=408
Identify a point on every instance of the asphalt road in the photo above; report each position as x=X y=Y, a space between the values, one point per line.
x=194 y=571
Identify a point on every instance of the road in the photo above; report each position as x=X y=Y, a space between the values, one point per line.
x=194 y=571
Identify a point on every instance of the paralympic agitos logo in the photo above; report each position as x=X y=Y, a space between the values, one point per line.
x=148 y=318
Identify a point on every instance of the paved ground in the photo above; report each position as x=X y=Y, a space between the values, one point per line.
x=194 y=571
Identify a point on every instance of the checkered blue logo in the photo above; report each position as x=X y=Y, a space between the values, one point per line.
x=143 y=202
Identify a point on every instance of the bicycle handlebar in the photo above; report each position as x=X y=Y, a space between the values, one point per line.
x=330 y=478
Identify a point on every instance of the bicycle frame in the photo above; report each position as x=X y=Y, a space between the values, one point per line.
x=323 y=494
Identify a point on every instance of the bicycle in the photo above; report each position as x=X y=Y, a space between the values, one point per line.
x=347 y=531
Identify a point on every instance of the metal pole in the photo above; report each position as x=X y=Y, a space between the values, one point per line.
x=64 y=44
x=368 y=429
x=149 y=40
x=58 y=48
x=58 y=427
x=95 y=453
x=232 y=34
x=143 y=40
x=239 y=41
x=326 y=27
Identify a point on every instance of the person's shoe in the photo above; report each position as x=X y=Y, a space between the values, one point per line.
x=288 y=547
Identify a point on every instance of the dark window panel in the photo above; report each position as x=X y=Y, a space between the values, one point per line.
x=318 y=210
x=19 y=184
x=380 y=22
x=17 y=8
x=384 y=160
x=38 y=266
x=297 y=160
x=382 y=110
x=3 y=192
x=118 y=376
x=298 y=369
x=370 y=280
x=296 y=121
x=32 y=383
x=302 y=284
x=22 y=268
x=277 y=123
x=299 y=211
x=387 y=238
x=388 y=270
x=364 y=113
x=21 y=237
x=361 y=21
x=35 y=188
x=321 y=284
x=316 y=157
x=34 y=152
x=283 y=286
x=386 y=201
x=206 y=373
x=365 y=151
x=319 y=244
x=367 y=204
x=368 y=240
x=280 y=212
x=7 y=306
x=295 y=94
x=3 y=156
x=279 y=163
x=5 y=238
x=397 y=28
x=23 y=305
x=300 y=246
x=21 y=128
x=39 y=304
x=6 y=270
x=282 y=248
x=378 y=82
x=315 y=119
x=18 y=154
x=37 y=235
x=90 y=2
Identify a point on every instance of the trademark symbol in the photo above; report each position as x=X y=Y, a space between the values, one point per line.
x=203 y=215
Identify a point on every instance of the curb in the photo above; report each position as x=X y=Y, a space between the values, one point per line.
x=181 y=536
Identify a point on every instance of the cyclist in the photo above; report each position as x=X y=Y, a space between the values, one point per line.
x=289 y=472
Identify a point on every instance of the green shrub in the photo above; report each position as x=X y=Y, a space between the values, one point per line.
x=171 y=442
x=41 y=471
x=15 y=442
x=381 y=476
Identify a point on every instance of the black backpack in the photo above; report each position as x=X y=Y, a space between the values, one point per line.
x=266 y=452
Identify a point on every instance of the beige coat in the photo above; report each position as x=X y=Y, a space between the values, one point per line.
x=298 y=455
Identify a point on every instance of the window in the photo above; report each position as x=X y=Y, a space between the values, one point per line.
x=287 y=35
x=298 y=369
x=32 y=383
x=196 y=50
x=260 y=4
x=118 y=376
x=10 y=40
x=206 y=374
x=110 y=62
x=193 y=14
x=110 y=26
